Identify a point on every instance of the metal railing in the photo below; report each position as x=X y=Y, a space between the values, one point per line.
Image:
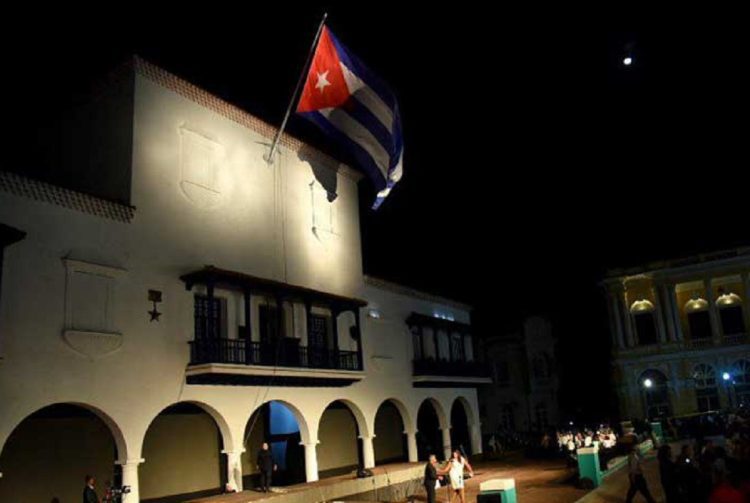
x=735 y=339
x=285 y=352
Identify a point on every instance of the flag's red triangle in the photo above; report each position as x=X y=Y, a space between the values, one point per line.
x=325 y=86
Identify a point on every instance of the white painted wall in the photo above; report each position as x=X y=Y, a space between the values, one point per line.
x=257 y=219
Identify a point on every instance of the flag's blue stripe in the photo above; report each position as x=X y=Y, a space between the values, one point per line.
x=354 y=64
x=366 y=161
x=379 y=199
x=364 y=116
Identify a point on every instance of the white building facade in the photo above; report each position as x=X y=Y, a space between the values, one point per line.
x=191 y=300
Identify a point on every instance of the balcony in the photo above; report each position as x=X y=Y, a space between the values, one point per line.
x=700 y=343
x=271 y=357
x=429 y=372
x=240 y=352
x=731 y=340
x=696 y=344
x=237 y=362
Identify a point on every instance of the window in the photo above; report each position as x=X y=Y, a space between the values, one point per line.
x=317 y=340
x=469 y=348
x=706 y=391
x=644 y=322
x=699 y=319
x=210 y=317
x=457 y=347
x=416 y=337
x=731 y=314
x=732 y=322
x=269 y=321
x=645 y=328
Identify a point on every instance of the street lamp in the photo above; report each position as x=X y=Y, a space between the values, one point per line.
x=648 y=383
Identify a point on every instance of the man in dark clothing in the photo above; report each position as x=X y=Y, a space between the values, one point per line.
x=635 y=474
x=431 y=476
x=89 y=494
x=266 y=467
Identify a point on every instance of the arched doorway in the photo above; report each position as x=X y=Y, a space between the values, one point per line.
x=340 y=450
x=706 y=391
x=741 y=383
x=182 y=453
x=51 y=451
x=390 y=441
x=429 y=436
x=460 y=436
x=278 y=424
x=655 y=391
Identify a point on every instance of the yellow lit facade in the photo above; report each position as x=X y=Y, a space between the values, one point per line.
x=680 y=334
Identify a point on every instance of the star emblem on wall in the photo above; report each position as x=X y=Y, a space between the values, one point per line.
x=154 y=314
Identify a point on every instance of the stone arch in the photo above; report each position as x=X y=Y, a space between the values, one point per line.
x=443 y=419
x=226 y=432
x=390 y=430
x=114 y=428
x=362 y=423
x=186 y=436
x=468 y=409
x=409 y=423
x=64 y=440
x=432 y=429
x=304 y=426
x=270 y=422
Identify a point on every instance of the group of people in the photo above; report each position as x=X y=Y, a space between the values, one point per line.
x=570 y=440
x=712 y=466
x=451 y=474
x=707 y=474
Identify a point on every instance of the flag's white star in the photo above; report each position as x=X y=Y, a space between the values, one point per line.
x=322 y=81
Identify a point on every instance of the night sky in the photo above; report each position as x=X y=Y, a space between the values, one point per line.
x=534 y=160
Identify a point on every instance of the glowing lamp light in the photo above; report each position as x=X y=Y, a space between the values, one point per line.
x=571 y=423
x=726 y=376
x=648 y=383
x=627 y=61
x=374 y=314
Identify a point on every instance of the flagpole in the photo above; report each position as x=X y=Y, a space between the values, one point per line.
x=301 y=79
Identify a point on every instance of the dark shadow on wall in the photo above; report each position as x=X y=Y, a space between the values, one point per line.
x=326 y=176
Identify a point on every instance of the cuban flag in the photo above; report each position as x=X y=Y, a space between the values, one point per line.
x=355 y=108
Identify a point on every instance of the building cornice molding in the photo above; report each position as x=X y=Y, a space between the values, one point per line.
x=704 y=263
x=37 y=190
x=418 y=294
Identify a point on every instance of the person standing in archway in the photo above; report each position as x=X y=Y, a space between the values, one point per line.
x=266 y=466
x=89 y=493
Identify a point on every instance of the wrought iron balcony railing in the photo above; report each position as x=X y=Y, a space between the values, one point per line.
x=285 y=353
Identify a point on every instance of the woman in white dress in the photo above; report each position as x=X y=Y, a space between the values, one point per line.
x=456 y=467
